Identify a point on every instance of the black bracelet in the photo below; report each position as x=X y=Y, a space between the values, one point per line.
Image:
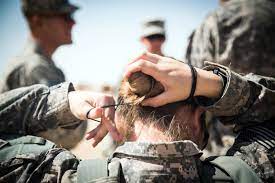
x=194 y=82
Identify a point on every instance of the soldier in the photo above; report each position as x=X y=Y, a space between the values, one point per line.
x=153 y=155
x=153 y=35
x=238 y=34
x=50 y=23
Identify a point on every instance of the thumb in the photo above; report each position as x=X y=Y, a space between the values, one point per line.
x=157 y=101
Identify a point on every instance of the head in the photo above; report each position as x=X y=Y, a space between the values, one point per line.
x=50 y=20
x=153 y=35
x=223 y=1
x=153 y=43
x=172 y=122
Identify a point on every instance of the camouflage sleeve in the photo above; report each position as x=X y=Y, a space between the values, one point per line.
x=36 y=108
x=245 y=99
x=201 y=46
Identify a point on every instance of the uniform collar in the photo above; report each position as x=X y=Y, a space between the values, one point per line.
x=175 y=149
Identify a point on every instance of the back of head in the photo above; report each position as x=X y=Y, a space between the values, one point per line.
x=172 y=119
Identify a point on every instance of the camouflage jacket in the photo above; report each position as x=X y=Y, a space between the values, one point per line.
x=238 y=34
x=29 y=68
x=247 y=102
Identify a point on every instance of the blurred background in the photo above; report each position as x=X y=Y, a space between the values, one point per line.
x=106 y=35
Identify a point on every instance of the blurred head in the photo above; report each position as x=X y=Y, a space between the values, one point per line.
x=55 y=28
x=50 y=19
x=153 y=35
x=153 y=43
x=223 y=1
x=171 y=122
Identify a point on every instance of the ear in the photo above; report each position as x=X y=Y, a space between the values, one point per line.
x=142 y=39
x=197 y=121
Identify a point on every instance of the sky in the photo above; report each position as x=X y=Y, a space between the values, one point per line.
x=106 y=35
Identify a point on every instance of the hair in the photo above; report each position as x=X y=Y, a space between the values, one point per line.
x=173 y=123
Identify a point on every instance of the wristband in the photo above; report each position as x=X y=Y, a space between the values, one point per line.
x=194 y=82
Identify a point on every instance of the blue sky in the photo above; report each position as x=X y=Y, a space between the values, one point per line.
x=106 y=35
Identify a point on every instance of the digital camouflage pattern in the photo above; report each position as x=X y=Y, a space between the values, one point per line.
x=29 y=68
x=238 y=34
x=33 y=67
x=47 y=7
x=159 y=162
x=252 y=95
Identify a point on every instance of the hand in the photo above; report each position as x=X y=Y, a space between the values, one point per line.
x=176 y=77
x=83 y=101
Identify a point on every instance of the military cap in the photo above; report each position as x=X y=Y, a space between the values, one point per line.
x=153 y=27
x=47 y=7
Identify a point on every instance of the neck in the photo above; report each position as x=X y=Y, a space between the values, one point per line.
x=47 y=46
x=158 y=52
x=149 y=134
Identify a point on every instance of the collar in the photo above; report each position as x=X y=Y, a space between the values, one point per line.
x=175 y=149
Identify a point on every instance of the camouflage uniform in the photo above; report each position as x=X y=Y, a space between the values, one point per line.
x=32 y=66
x=29 y=68
x=247 y=102
x=240 y=35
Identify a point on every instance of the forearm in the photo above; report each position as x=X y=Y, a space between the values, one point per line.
x=31 y=109
x=243 y=99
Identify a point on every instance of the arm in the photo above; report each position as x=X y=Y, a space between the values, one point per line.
x=247 y=99
x=32 y=109
x=36 y=108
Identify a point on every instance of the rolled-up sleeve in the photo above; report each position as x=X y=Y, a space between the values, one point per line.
x=245 y=99
x=36 y=108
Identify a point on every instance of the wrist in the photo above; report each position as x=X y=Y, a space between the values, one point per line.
x=208 y=84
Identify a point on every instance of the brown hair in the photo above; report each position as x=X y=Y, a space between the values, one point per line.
x=174 y=123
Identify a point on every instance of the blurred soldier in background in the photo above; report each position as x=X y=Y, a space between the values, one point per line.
x=153 y=35
x=238 y=34
x=50 y=23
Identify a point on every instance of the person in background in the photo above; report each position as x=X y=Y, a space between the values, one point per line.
x=153 y=35
x=50 y=25
x=238 y=34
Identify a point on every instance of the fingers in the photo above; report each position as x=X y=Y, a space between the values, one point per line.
x=151 y=57
x=143 y=66
x=157 y=101
x=148 y=57
x=97 y=134
x=108 y=121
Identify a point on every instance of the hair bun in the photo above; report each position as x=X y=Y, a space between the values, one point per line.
x=140 y=86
